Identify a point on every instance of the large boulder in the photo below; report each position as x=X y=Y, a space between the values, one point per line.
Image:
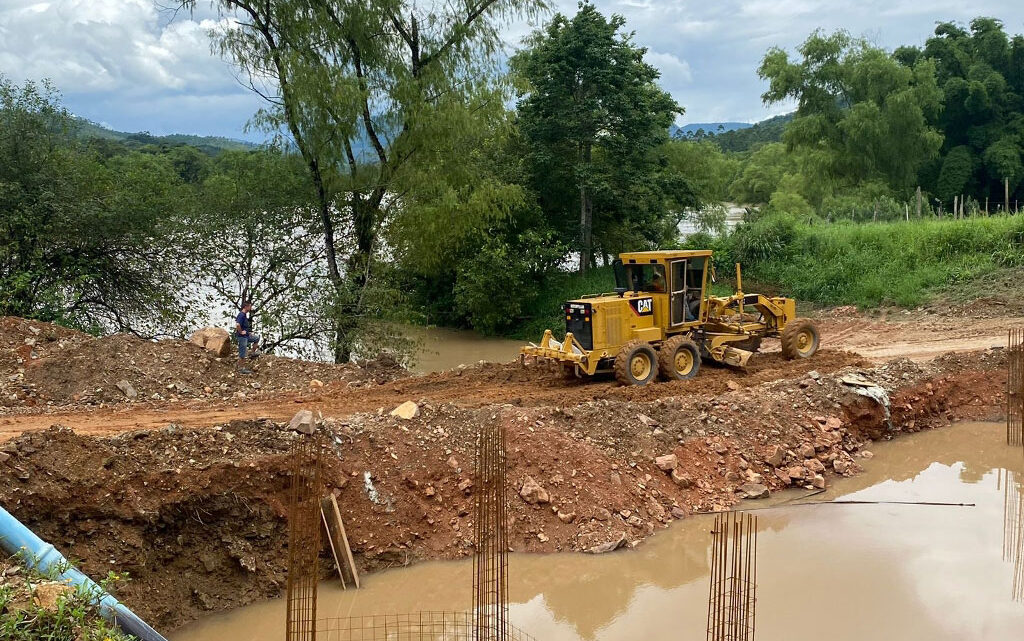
x=303 y=422
x=533 y=493
x=215 y=340
x=406 y=411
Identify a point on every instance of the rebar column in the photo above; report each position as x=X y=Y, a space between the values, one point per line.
x=490 y=560
x=733 y=591
x=304 y=538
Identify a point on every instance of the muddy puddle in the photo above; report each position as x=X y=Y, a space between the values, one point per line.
x=844 y=572
x=439 y=348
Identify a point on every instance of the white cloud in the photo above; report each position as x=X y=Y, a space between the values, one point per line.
x=119 y=54
x=128 y=63
x=674 y=72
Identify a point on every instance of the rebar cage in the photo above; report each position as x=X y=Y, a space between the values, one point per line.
x=304 y=538
x=1015 y=389
x=417 y=626
x=490 y=560
x=733 y=592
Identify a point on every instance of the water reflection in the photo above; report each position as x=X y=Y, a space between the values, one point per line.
x=858 y=572
x=1013 y=529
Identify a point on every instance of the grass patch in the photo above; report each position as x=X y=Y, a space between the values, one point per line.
x=37 y=606
x=898 y=263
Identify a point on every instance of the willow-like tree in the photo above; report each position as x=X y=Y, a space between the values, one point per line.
x=593 y=116
x=861 y=115
x=364 y=89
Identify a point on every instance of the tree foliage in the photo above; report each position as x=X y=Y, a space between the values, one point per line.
x=84 y=240
x=253 y=236
x=594 y=122
x=861 y=115
x=980 y=70
x=392 y=77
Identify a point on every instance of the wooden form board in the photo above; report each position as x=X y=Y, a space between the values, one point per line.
x=338 y=540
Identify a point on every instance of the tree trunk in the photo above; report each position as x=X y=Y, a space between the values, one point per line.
x=586 y=215
x=918 y=201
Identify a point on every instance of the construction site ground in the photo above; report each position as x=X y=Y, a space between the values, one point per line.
x=184 y=484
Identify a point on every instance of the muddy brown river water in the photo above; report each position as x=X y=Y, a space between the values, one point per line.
x=440 y=348
x=840 y=572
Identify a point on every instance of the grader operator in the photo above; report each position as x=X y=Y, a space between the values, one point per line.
x=661 y=319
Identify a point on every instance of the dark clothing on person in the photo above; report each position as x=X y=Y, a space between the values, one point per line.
x=243 y=321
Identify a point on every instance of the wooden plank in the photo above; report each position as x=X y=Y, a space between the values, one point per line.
x=342 y=537
x=331 y=541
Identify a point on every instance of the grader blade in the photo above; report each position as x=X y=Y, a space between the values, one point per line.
x=736 y=357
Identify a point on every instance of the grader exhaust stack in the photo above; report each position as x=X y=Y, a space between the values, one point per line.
x=662 y=320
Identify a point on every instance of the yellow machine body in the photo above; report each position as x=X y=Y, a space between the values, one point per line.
x=661 y=294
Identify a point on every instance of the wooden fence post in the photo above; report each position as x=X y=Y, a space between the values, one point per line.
x=919 y=201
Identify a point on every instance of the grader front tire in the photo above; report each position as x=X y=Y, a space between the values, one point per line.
x=636 y=363
x=678 y=359
x=800 y=339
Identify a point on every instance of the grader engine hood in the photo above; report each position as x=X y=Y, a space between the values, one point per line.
x=606 y=321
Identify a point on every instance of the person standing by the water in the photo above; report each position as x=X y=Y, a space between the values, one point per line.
x=246 y=339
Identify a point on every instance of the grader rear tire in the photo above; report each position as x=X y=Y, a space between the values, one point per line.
x=636 y=363
x=800 y=339
x=678 y=359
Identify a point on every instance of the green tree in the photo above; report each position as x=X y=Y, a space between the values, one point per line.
x=957 y=169
x=761 y=173
x=594 y=120
x=861 y=115
x=84 y=240
x=363 y=90
x=702 y=163
x=981 y=73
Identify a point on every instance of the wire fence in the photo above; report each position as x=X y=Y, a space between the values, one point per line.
x=417 y=626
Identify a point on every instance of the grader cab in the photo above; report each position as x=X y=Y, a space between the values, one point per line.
x=661 y=319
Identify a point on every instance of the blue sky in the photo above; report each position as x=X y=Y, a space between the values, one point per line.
x=135 y=67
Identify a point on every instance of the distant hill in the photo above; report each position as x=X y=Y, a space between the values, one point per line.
x=766 y=131
x=693 y=129
x=209 y=144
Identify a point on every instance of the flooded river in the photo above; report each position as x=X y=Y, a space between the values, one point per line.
x=439 y=348
x=840 y=572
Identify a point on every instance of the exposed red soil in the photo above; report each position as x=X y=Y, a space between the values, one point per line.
x=471 y=387
x=197 y=515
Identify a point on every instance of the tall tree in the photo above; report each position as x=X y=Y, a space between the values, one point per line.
x=594 y=117
x=861 y=115
x=362 y=89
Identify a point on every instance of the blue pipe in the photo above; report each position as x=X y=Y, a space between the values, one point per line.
x=15 y=538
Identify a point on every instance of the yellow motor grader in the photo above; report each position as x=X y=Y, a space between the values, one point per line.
x=661 y=319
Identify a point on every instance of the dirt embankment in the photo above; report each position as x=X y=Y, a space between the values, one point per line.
x=197 y=515
x=45 y=367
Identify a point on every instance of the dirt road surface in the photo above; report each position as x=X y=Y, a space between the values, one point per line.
x=847 y=339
